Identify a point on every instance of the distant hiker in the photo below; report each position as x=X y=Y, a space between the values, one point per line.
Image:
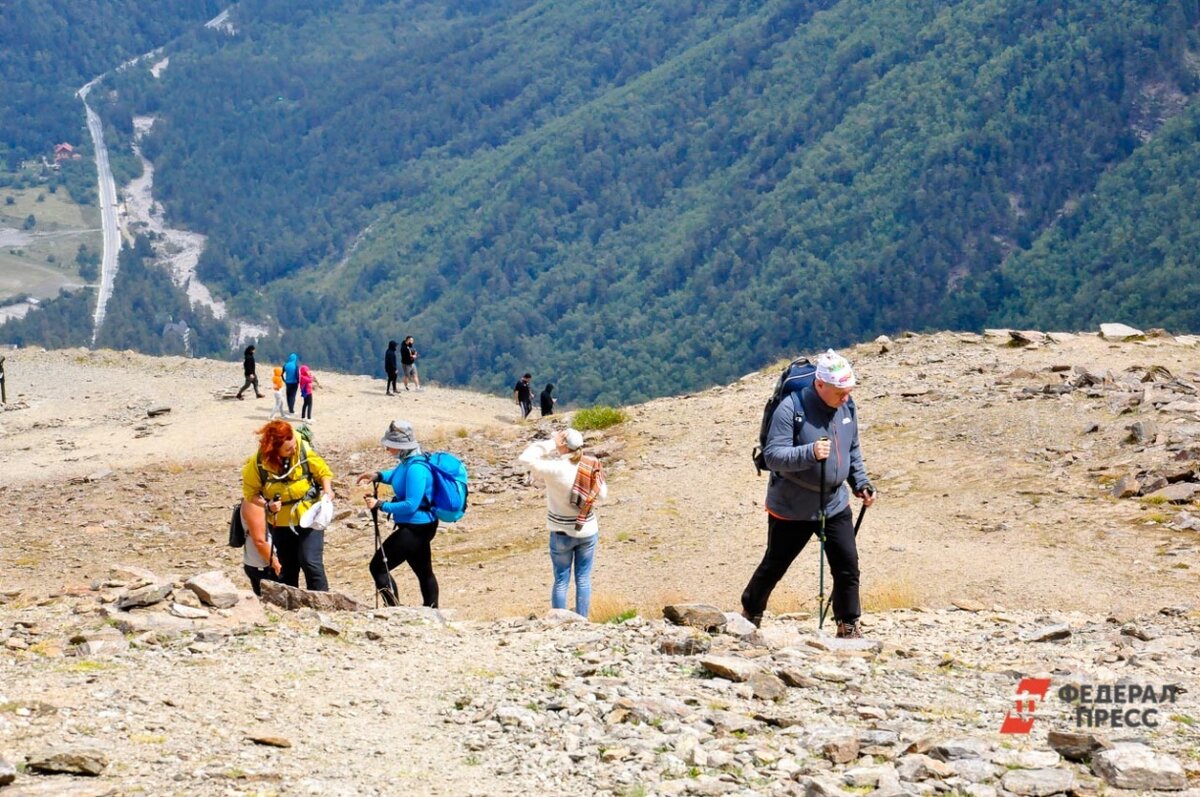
x=523 y=395
x=260 y=561
x=389 y=365
x=548 y=400
x=574 y=482
x=251 y=375
x=307 y=383
x=291 y=476
x=277 y=387
x=291 y=379
x=408 y=358
x=415 y=524
x=817 y=423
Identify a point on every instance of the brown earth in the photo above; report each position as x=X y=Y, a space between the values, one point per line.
x=984 y=496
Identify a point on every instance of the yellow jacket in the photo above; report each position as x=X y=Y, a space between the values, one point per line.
x=287 y=484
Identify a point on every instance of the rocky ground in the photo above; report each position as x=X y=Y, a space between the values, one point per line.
x=1027 y=482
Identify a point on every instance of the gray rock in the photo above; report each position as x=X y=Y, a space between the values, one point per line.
x=1143 y=432
x=1076 y=746
x=974 y=770
x=696 y=615
x=214 y=589
x=103 y=642
x=1038 y=782
x=767 y=686
x=917 y=767
x=1127 y=486
x=839 y=745
x=1181 y=493
x=1134 y=766
x=1120 y=332
x=821 y=787
x=796 y=676
x=730 y=667
x=187 y=612
x=953 y=749
x=1047 y=633
x=685 y=645
x=144 y=596
x=557 y=617
x=736 y=625
x=60 y=787
x=293 y=598
x=82 y=761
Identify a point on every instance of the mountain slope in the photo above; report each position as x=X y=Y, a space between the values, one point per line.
x=633 y=199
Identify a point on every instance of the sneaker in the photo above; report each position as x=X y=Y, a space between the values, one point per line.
x=756 y=619
x=240 y=397
x=848 y=631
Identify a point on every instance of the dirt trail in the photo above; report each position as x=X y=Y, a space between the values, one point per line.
x=984 y=496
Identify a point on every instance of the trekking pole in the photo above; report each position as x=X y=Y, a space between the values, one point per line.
x=821 y=559
x=379 y=544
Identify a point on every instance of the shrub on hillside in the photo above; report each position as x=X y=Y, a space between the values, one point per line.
x=600 y=417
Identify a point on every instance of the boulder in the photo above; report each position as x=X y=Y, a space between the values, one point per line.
x=1120 y=332
x=214 y=589
x=696 y=615
x=293 y=598
x=148 y=595
x=81 y=761
x=1181 y=493
x=1076 y=746
x=1137 y=767
x=730 y=667
x=1038 y=782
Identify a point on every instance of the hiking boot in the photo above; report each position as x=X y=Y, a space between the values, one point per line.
x=848 y=631
x=240 y=397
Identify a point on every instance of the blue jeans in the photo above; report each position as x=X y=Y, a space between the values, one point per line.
x=566 y=551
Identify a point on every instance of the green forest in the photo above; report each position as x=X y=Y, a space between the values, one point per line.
x=633 y=199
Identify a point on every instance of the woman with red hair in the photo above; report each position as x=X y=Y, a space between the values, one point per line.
x=279 y=483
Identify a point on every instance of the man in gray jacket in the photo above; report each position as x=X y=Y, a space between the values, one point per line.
x=816 y=424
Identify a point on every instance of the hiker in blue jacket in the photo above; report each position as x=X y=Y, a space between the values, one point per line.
x=818 y=423
x=291 y=380
x=412 y=482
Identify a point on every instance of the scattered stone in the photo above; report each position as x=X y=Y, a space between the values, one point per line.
x=686 y=645
x=730 y=667
x=1135 y=766
x=736 y=625
x=968 y=605
x=954 y=749
x=1027 y=337
x=1181 y=493
x=294 y=598
x=767 y=686
x=839 y=745
x=557 y=617
x=103 y=642
x=1038 y=782
x=144 y=596
x=86 y=762
x=270 y=741
x=188 y=612
x=1143 y=432
x=697 y=615
x=154 y=412
x=1048 y=633
x=214 y=589
x=1076 y=746
x=1120 y=332
x=1127 y=486
x=8 y=773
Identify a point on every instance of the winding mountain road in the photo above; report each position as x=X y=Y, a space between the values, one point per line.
x=108 y=212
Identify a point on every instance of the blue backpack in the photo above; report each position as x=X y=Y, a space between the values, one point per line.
x=449 y=500
x=798 y=375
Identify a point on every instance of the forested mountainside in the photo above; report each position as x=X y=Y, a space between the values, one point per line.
x=638 y=198
x=49 y=48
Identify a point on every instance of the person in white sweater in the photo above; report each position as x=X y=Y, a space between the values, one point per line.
x=574 y=481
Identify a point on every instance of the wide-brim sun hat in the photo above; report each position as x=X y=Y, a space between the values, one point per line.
x=400 y=436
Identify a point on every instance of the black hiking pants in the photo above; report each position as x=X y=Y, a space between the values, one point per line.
x=408 y=543
x=251 y=381
x=292 y=389
x=391 y=385
x=258 y=575
x=302 y=549
x=786 y=539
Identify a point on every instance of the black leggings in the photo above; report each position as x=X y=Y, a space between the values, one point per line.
x=302 y=549
x=391 y=386
x=306 y=407
x=786 y=539
x=408 y=543
x=258 y=575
